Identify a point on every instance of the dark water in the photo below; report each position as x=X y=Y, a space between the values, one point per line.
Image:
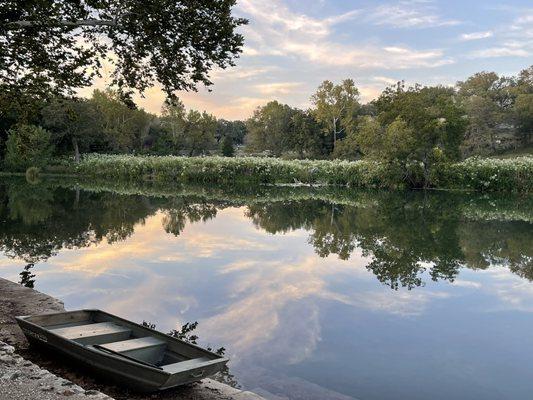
x=315 y=294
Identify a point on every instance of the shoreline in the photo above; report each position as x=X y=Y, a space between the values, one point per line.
x=25 y=374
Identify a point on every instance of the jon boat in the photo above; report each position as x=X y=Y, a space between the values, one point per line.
x=131 y=354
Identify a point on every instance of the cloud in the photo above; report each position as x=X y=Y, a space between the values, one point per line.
x=278 y=88
x=476 y=35
x=385 y=80
x=514 y=39
x=276 y=30
x=408 y=14
x=503 y=51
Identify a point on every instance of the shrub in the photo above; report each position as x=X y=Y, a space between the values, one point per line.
x=227 y=147
x=27 y=146
x=32 y=175
x=490 y=174
x=480 y=175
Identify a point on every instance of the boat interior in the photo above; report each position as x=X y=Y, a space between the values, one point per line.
x=113 y=335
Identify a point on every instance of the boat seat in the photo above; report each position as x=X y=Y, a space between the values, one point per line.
x=148 y=349
x=184 y=365
x=102 y=332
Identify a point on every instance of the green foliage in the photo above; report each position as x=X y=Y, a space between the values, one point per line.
x=473 y=175
x=32 y=175
x=421 y=125
x=55 y=46
x=236 y=130
x=27 y=146
x=279 y=128
x=507 y=175
x=336 y=107
x=76 y=125
x=488 y=100
x=226 y=148
x=123 y=127
x=245 y=169
x=268 y=128
x=199 y=133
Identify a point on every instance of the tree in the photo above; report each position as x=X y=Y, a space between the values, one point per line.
x=234 y=129
x=227 y=149
x=124 y=127
x=421 y=125
x=76 y=123
x=336 y=106
x=523 y=107
x=173 y=120
x=488 y=100
x=268 y=128
x=27 y=146
x=306 y=138
x=199 y=132
x=53 y=46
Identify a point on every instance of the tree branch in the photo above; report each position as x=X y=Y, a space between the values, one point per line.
x=81 y=22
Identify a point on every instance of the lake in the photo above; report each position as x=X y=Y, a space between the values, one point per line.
x=315 y=293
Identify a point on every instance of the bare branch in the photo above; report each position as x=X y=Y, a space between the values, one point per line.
x=82 y=22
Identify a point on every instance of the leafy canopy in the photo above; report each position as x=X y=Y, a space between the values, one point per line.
x=336 y=106
x=27 y=146
x=53 y=46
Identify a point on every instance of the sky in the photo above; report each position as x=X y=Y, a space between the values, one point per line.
x=291 y=46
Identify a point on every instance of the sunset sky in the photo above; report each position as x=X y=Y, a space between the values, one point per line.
x=292 y=45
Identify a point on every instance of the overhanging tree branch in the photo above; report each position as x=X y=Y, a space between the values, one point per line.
x=83 y=22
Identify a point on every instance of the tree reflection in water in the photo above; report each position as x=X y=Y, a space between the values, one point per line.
x=405 y=234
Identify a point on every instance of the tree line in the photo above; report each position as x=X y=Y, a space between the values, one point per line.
x=104 y=123
x=417 y=125
x=483 y=115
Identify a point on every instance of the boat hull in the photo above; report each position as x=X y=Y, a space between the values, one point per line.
x=123 y=371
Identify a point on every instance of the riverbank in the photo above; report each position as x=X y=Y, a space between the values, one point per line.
x=25 y=374
x=484 y=175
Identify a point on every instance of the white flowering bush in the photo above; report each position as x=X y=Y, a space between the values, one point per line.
x=240 y=169
x=472 y=174
x=488 y=174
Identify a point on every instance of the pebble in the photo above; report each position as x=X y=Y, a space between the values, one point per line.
x=67 y=393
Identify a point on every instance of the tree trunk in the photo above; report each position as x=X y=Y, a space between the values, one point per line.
x=77 y=198
x=76 y=150
x=426 y=171
x=334 y=132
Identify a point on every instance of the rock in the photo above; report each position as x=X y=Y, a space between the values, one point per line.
x=7 y=360
x=11 y=375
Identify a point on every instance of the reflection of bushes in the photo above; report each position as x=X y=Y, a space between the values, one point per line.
x=32 y=204
x=405 y=234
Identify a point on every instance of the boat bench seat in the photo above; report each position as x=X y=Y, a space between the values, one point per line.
x=184 y=365
x=148 y=349
x=97 y=333
x=125 y=346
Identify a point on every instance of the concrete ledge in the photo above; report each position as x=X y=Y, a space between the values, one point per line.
x=21 y=379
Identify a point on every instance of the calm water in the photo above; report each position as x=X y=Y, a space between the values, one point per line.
x=315 y=294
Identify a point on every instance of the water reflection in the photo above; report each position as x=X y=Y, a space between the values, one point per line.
x=296 y=283
x=27 y=277
x=404 y=235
